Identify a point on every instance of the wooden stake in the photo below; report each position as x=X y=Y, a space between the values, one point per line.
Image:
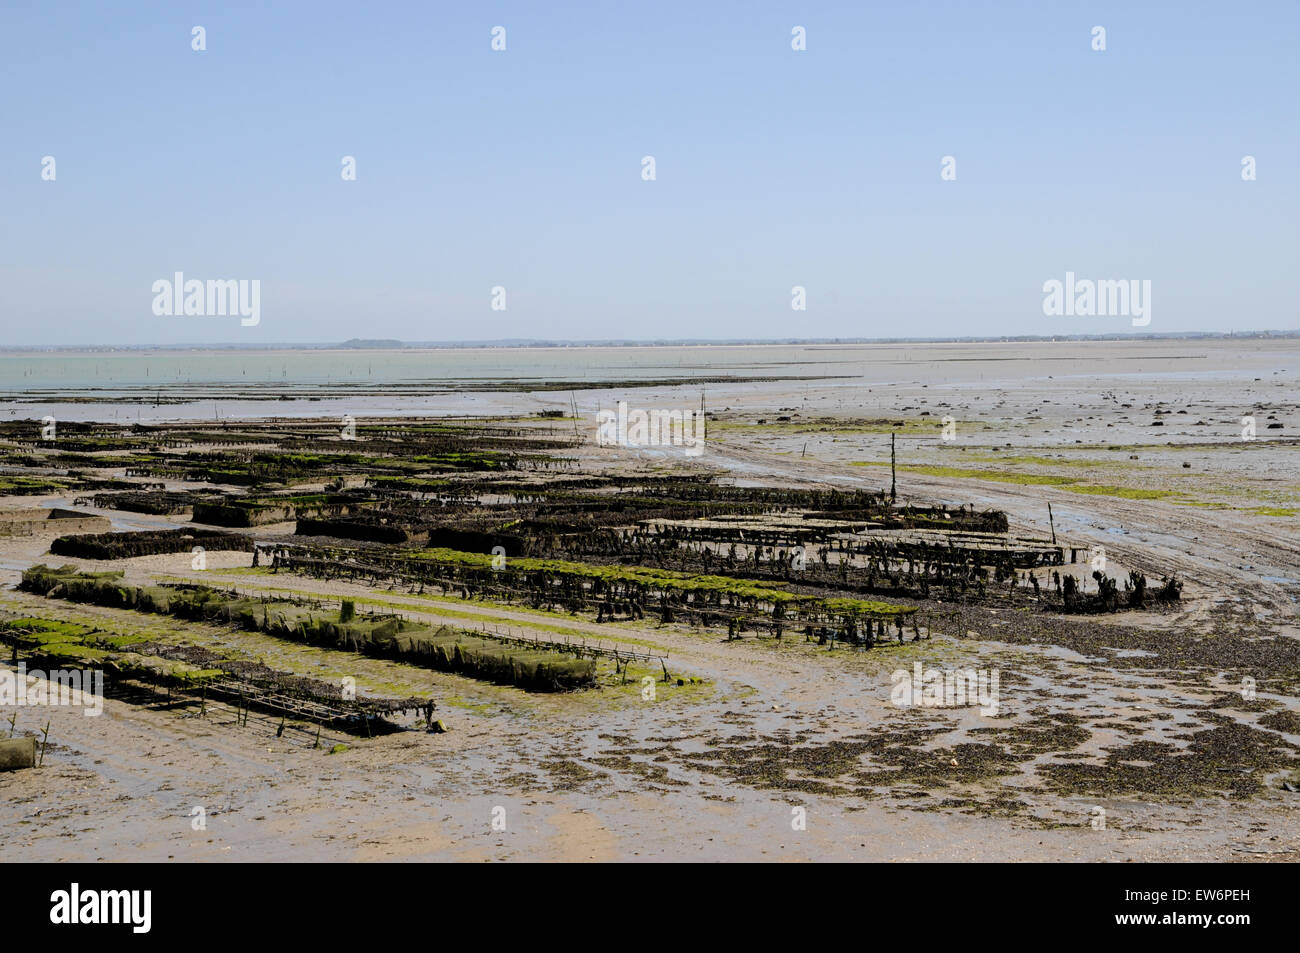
x=893 y=475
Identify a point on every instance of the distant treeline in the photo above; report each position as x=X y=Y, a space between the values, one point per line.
x=507 y=343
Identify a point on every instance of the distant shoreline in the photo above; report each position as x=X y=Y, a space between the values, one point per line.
x=525 y=344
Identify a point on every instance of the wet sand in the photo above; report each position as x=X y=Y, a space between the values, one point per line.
x=718 y=773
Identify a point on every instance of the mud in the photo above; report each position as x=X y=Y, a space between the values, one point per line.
x=1168 y=733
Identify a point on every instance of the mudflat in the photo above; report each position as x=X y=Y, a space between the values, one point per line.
x=774 y=635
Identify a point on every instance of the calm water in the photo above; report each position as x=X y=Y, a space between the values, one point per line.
x=188 y=384
x=27 y=371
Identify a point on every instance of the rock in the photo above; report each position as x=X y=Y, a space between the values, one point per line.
x=438 y=728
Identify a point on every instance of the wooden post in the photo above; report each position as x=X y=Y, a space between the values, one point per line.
x=893 y=475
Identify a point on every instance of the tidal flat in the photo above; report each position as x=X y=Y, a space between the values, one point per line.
x=632 y=652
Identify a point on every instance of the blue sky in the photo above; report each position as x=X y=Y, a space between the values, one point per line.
x=522 y=168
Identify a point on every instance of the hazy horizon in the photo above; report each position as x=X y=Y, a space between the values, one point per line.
x=468 y=344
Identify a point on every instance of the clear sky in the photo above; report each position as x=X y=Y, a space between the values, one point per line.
x=523 y=168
